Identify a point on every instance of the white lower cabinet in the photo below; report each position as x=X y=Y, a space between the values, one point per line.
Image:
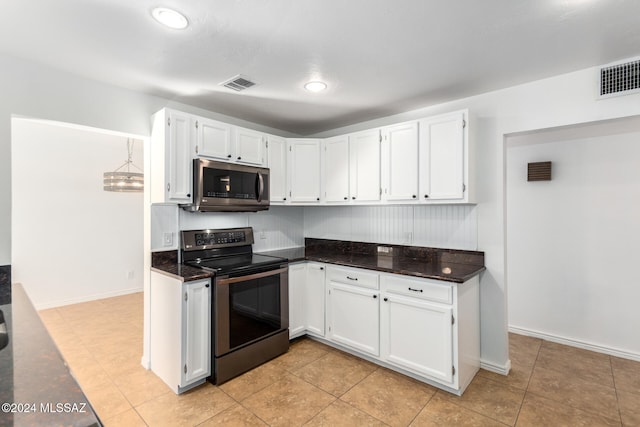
x=180 y=319
x=353 y=312
x=428 y=329
x=314 y=306
x=403 y=320
x=297 y=296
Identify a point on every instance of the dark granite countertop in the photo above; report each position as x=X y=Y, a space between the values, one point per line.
x=167 y=263
x=450 y=265
x=35 y=383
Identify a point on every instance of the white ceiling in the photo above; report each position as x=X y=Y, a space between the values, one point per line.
x=379 y=57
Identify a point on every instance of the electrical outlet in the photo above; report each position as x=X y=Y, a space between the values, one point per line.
x=263 y=235
x=130 y=274
x=408 y=237
x=167 y=239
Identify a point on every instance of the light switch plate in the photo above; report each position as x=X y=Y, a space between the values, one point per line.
x=167 y=239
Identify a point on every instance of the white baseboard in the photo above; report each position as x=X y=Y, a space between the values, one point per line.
x=575 y=343
x=498 y=369
x=86 y=298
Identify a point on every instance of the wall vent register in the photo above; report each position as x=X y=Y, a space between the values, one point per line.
x=620 y=79
x=539 y=171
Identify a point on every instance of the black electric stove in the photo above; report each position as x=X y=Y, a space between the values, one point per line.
x=250 y=300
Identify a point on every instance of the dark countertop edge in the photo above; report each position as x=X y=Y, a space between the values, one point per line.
x=297 y=254
x=184 y=273
x=452 y=279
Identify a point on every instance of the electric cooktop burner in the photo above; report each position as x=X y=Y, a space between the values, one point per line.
x=235 y=263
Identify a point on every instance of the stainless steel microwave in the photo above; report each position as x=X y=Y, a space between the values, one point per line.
x=228 y=187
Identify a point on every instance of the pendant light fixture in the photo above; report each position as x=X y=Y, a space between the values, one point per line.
x=125 y=180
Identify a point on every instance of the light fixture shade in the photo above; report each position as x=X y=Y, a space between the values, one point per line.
x=123 y=181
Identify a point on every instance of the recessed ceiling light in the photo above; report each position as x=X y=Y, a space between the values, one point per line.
x=315 y=86
x=170 y=18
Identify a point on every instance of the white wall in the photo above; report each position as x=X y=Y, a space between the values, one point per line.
x=73 y=241
x=572 y=242
x=30 y=90
x=277 y=228
x=442 y=226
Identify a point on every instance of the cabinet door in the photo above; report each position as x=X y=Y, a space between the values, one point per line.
x=297 y=297
x=442 y=157
x=418 y=336
x=314 y=304
x=304 y=167
x=196 y=317
x=249 y=147
x=353 y=317
x=364 y=166
x=180 y=129
x=336 y=169
x=214 y=139
x=400 y=162
x=277 y=164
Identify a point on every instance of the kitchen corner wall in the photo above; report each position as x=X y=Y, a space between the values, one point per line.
x=278 y=228
x=441 y=226
x=437 y=226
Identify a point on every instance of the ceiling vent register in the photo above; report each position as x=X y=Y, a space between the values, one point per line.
x=620 y=79
x=238 y=83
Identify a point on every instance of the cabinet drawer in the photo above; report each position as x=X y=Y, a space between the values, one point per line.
x=353 y=276
x=418 y=288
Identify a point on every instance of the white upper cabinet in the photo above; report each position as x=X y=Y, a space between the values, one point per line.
x=304 y=170
x=277 y=164
x=214 y=139
x=364 y=166
x=400 y=162
x=249 y=146
x=336 y=169
x=172 y=135
x=221 y=141
x=443 y=158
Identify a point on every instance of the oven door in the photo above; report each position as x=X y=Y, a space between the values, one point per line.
x=249 y=308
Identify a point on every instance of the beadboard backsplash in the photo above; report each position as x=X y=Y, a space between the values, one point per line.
x=441 y=226
x=437 y=226
x=277 y=228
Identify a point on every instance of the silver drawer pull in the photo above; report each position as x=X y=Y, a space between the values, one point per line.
x=352 y=278
x=415 y=290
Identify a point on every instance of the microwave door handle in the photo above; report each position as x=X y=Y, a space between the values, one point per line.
x=260 y=186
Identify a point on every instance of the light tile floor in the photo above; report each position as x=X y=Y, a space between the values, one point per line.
x=316 y=385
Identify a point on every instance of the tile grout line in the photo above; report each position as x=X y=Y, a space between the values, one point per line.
x=526 y=389
x=615 y=388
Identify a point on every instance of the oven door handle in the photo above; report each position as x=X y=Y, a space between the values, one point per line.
x=230 y=280
x=260 y=183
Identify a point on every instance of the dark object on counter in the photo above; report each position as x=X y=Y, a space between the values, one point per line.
x=4 y=336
